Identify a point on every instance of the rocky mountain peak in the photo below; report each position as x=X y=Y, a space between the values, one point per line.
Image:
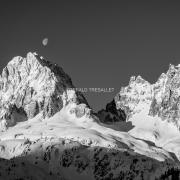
x=32 y=85
x=161 y=98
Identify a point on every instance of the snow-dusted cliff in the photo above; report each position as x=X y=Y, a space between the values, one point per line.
x=161 y=99
x=32 y=85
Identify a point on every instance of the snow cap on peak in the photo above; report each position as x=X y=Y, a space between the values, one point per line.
x=137 y=79
x=31 y=58
x=171 y=67
x=15 y=61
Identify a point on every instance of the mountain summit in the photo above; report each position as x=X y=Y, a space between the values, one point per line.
x=32 y=85
x=161 y=99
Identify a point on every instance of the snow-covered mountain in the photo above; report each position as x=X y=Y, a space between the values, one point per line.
x=48 y=130
x=32 y=85
x=162 y=98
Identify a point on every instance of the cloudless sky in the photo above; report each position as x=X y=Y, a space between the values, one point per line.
x=98 y=43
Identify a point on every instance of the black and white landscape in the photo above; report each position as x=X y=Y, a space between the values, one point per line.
x=48 y=130
x=89 y=90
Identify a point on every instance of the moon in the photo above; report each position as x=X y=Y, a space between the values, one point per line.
x=45 y=41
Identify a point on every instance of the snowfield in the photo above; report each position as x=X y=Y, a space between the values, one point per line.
x=57 y=144
x=83 y=130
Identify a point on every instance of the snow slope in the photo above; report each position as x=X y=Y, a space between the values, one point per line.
x=58 y=143
x=84 y=130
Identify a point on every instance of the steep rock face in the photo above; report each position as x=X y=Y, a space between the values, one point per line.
x=166 y=100
x=130 y=100
x=111 y=114
x=161 y=99
x=134 y=97
x=32 y=85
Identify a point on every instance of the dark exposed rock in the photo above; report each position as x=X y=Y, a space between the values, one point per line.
x=111 y=114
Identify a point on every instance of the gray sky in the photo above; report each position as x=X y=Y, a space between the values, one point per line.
x=98 y=43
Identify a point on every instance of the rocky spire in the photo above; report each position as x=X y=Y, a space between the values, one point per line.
x=161 y=98
x=32 y=85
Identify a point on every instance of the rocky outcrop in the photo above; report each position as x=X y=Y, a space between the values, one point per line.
x=135 y=97
x=166 y=97
x=32 y=85
x=111 y=114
